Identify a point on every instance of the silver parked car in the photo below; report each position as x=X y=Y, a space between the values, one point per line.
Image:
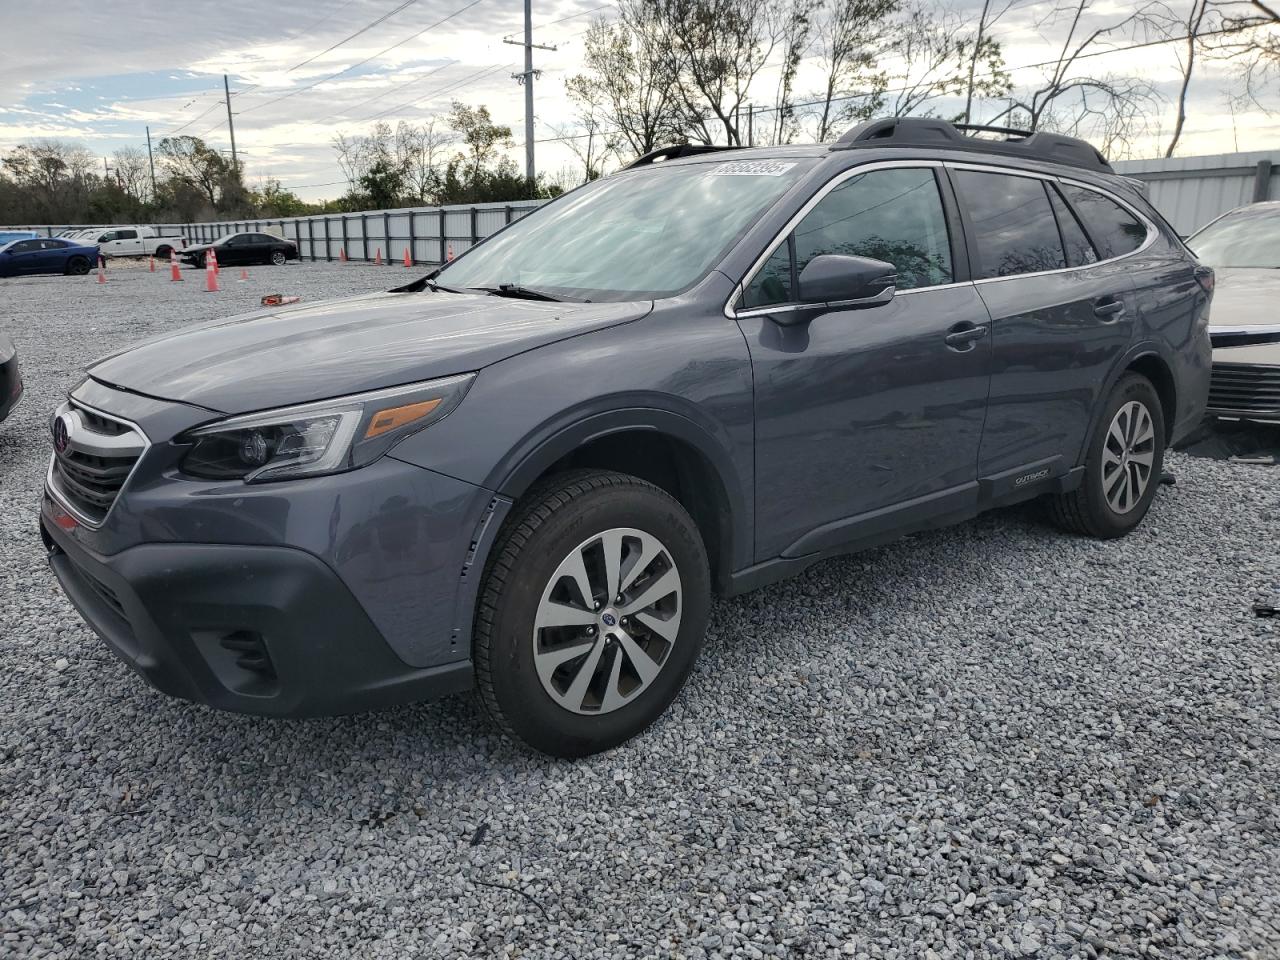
x=1243 y=247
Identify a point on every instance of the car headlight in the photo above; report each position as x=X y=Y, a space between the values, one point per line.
x=316 y=438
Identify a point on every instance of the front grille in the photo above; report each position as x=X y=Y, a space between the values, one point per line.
x=1245 y=388
x=98 y=454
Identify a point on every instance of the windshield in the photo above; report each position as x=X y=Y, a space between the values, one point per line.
x=1245 y=238
x=646 y=234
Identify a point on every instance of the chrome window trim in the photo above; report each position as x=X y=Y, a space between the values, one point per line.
x=740 y=287
x=61 y=499
x=1261 y=329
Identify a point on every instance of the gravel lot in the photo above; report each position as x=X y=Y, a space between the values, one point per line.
x=995 y=740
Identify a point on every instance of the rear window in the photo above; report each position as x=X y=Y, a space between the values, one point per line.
x=1114 y=229
x=1015 y=228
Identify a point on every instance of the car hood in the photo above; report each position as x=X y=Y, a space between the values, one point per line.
x=283 y=356
x=1245 y=296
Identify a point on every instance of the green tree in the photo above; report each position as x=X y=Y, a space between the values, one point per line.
x=193 y=162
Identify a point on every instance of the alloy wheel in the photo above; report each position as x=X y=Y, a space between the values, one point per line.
x=607 y=621
x=1128 y=456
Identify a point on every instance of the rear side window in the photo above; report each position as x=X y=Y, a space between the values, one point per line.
x=893 y=215
x=1079 y=250
x=1014 y=225
x=1114 y=229
x=126 y=235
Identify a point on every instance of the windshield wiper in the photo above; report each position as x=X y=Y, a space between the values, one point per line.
x=516 y=291
x=436 y=287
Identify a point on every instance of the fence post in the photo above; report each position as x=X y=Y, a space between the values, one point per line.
x=386 y=235
x=344 y=237
x=364 y=235
x=1262 y=181
x=327 y=254
x=507 y=213
x=311 y=239
x=413 y=247
x=442 y=218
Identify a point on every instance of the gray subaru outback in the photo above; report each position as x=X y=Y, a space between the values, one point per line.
x=528 y=472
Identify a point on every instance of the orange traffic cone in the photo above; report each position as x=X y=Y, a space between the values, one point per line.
x=151 y=264
x=211 y=274
x=408 y=260
x=173 y=266
x=450 y=255
x=342 y=255
x=244 y=275
x=102 y=276
x=377 y=257
x=213 y=258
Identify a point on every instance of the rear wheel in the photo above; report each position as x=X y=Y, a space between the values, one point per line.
x=163 y=251
x=78 y=266
x=1123 y=468
x=591 y=614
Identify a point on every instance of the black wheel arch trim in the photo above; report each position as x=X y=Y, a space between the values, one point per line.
x=1136 y=352
x=558 y=438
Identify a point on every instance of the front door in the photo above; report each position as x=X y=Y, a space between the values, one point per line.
x=867 y=420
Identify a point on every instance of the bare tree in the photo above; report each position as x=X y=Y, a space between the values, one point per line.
x=1248 y=33
x=191 y=160
x=986 y=21
x=422 y=153
x=721 y=46
x=849 y=36
x=941 y=53
x=630 y=80
x=1109 y=108
x=133 y=172
x=1187 y=27
x=795 y=37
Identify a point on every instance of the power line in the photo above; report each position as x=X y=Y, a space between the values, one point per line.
x=448 y=88
x=365 y=29
x=378 y=96
x=413 y=36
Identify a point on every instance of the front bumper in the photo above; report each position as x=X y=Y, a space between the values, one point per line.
x=252 y=629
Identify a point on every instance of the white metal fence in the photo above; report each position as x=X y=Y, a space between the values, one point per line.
x=428 y=233
x=1191 y=191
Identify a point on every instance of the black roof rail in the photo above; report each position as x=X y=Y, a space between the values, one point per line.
x=675 y=151
x=932 y=132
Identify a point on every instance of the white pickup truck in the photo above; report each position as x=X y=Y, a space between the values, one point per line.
x=133 y=242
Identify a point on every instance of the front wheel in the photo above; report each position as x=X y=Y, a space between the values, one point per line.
x=279 y=258
x=1124 y=465
x=591 y=614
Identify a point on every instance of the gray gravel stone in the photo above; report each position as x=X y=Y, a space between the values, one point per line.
x=993 y=740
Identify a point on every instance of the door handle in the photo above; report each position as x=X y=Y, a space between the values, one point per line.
x=964 y=335
x=1108 y=308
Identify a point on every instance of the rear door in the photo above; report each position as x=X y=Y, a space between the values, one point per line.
x=1061 y=316
x=868 y=421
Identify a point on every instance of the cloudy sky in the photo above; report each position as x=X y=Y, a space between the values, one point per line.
x=100 y=73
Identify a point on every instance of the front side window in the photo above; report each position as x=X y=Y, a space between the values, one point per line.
x=1114 y=229
x=1015 y=230
x=894 y=215
x=641 y=234
x=25 y=246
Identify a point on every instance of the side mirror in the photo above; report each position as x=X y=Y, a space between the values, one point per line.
x=843 y=281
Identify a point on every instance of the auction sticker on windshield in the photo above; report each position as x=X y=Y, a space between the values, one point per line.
x=753 y=168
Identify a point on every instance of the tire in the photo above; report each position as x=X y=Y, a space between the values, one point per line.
x=78 y=266
x=279 y=258
x=163 y=251
x=603 y=695
x=1134 y=419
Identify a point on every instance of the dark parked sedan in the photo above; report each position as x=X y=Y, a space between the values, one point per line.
x=10 y=377
x=242 y=249
x=21 y=258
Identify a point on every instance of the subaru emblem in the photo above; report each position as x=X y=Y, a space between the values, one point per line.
x=61 y=434
x=610 y=620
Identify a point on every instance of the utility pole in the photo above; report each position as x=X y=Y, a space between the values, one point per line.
x=231 y=126
x=526 y=78
x=151 y=161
